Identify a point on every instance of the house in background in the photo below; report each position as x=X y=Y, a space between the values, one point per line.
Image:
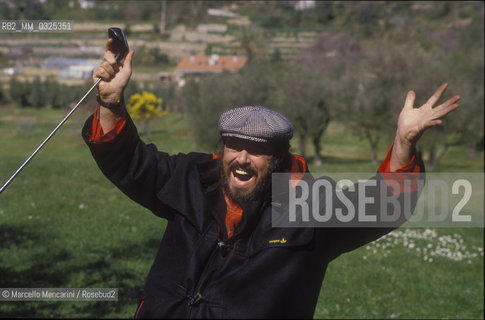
x=196 y=66
x=74 y=68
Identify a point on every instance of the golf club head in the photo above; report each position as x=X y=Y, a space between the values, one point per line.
x=119 y=44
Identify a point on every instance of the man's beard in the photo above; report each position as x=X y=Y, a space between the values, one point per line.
x=260 y=191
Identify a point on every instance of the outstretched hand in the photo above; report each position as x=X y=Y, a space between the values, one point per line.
x=413 y=122
x=114 y=76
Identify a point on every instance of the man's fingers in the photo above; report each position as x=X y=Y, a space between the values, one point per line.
x=105 y=71
x=108 y=44
x=437 y=95
x=109 y=55
x=128 y=60
x=449 y=101
x=442 y=111
x=433 y=123
x=108 y=67
x=410 y=97
x=101 y=73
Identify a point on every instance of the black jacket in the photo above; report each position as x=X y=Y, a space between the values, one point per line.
x=197 y=272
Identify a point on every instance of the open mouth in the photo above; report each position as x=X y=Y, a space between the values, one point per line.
x=242 y=177
x=242 y=174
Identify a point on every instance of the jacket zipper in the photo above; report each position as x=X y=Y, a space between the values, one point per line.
x=196 y=296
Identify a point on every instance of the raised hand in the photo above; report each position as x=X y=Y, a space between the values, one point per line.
x=114 y=76
x=413 y=122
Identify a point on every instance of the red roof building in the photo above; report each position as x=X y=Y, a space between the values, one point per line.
x=210 y=64
x=198 y=65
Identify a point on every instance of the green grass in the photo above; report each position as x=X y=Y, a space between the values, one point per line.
x=63 y=225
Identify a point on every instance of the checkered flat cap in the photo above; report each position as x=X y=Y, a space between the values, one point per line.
x=255 y=123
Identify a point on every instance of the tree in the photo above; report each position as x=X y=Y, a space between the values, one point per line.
x=251 y=41
x=470 y=84
x=377 y=82
x=145 y=107
x=2 y=94
x=302 y=95
x=311 y=91
x=203 y=101
x=455 y=56
x=19 y=92
x=37 y=96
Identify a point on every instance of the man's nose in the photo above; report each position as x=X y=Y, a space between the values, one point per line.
x=243 y=157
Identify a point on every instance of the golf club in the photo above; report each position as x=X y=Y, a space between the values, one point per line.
x=120 y=48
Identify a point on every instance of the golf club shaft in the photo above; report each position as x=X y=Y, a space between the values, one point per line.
x=49 y=136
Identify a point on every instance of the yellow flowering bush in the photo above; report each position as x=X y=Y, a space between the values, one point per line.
x=145 y=106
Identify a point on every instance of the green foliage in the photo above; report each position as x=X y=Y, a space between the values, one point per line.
x=208 y=49
x=41 y=94
x=377 y=82
x=276 y=56
x=23 y=10
x=302 y=94
x=251 y=41
x=37 y=96
x=153 y=57
x=19 y=92
x=274 y=14
x=3 y=97
x=203 y=102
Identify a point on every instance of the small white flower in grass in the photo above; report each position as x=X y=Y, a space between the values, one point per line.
x=426 y=242
x=30 y=217
x=82 y=206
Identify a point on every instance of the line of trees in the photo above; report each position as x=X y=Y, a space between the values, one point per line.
x=39 y=93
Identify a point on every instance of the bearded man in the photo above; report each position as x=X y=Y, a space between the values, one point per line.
x=220 y=256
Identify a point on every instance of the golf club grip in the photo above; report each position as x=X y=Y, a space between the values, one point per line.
x=119 y=44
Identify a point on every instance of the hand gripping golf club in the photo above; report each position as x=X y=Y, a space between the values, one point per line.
x=119 y=46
